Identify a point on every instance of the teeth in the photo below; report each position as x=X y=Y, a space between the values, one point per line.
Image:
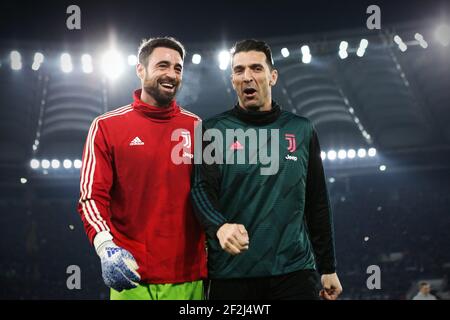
x=167 y=85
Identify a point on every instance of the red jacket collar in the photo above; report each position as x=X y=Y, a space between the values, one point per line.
x=152 y=111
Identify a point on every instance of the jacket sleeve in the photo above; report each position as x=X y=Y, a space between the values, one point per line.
x=95 y=183
x=318 y=213
x=206 y=179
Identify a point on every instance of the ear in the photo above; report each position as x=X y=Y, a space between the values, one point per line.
x=140 y=71
x=273 y=77
x=232 y=82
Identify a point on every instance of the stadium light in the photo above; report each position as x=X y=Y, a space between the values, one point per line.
x=45 y=164
x=112 y=64
x=306 y=54
x=401 y=45
x=37 y=61
x=343 y=46
x=285 y=52
x=343 y=54
x=23 y=180
x=55 y=164
x=86 y=63
x=372 y=152
x=323 y=155
x=421 y=40
x=16 y=60
x=362 y=153
x=342 y=154
x=397 y=39
x=351 y=153
x=66 y=63
x=363 y=44
x=67 y=164
x=360 y=52
x=196 y=58
x=382 y=167
x=331 y=155
x=77 y=164
x=132 y=60
x=34 y=164
x=224 y=59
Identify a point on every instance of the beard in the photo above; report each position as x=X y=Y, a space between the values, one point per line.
x=162 y=98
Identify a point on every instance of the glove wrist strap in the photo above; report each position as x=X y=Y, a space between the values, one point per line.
x=100 y=239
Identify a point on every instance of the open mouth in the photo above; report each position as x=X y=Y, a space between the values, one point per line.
x=167 y=85
x=249 y=92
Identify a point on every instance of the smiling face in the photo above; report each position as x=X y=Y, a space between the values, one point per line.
x=252 y=80
x=162 y=76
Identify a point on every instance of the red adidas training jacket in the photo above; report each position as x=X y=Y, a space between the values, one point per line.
x=131 y=187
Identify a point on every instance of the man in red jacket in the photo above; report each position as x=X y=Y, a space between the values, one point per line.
x=134 y=199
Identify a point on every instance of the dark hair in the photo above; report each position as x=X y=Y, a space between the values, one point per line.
x=147 y=46
x=423 y=284
x=254 y=45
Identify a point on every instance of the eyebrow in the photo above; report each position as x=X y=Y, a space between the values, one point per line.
x=253 y=65
x=169 y=63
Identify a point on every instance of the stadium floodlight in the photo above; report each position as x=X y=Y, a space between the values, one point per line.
x=372 y=152
x=343 y=46
x=306 y=59
x=112 y=64
x=37 y=61
x=196 y=58
x=402 y=46
x=66 y=63
x=331 y=180
x=23 y=180
x=16 y=60
x=34 y=164
x=351 y=110
x=38 y=57
x=224 y=59
x=363 y=44
x=331 y=155
x=442 y=34
x=360 y=52
x=67 y=164
x=305 y=50
x=45 y=164
x=362 y=153
x=421 y=40
x=132 y=60
x=382 y=167
x=398 y=40
x=285 y=52
x=342 y=154
x=77 y=164
x=323 y=155
x=351 y=153
x=86 y=63
x=55 y=164
x=306 y=54
x=343 y=54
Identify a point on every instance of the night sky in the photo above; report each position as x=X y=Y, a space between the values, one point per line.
x=200 y=21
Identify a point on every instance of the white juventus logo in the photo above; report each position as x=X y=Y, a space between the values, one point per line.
x=186 y=138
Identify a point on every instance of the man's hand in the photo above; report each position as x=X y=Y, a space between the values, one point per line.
x=118 y=266
x=331 y=286
x=233 y=238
